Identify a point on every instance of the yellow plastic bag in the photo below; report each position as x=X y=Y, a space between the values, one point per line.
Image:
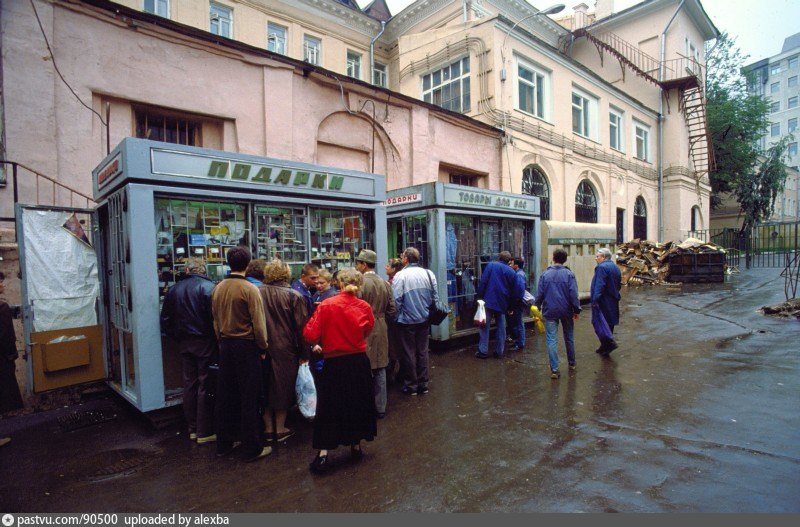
x=537 y=319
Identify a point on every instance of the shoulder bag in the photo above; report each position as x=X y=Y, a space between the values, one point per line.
x=437 y=311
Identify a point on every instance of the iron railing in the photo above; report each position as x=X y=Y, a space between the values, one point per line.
x=763 y=245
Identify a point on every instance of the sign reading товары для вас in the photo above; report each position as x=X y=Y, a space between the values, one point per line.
x=132 y=520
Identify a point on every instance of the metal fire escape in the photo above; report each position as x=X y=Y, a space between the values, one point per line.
x=684 y=74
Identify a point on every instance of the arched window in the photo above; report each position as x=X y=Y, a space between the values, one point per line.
x=640 y=219
x=585 y=203
x=535 y=184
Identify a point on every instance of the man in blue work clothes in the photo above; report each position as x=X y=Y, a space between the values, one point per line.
x=606 y=284
x=515 y=320
x=557 y=298
x=500 y=290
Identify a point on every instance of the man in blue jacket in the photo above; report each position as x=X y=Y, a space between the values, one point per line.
x=606 y=284
x=557 y=298
x=501 y=291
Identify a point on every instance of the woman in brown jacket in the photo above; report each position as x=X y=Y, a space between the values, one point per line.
x=286 y=316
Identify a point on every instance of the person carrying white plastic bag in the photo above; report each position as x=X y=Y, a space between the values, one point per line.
x=480 y=314
x=306 y=392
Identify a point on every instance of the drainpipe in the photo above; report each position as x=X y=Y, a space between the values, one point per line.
x=661 y=70
x=372 y=53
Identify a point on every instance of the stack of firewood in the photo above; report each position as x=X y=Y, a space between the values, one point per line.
x=643 y=261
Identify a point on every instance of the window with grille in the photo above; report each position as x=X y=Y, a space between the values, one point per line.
x=640 y=219
x=221 y=20
x=616 y=129
x=534 y=183
x=312 y=50
x=157 y=7
x=533 y=90
x=276 y=38
x=585 y=203
x=162 y=126
x=449 y=87
x=379 y=76
x=353 y=64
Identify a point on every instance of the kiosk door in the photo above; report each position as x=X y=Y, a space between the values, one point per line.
x=60 y=293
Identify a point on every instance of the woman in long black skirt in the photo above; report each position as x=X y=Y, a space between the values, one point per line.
x=345 y=402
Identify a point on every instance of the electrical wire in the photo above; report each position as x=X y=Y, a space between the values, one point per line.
x=55 y=66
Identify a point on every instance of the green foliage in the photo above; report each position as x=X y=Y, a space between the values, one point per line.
x=737 y=120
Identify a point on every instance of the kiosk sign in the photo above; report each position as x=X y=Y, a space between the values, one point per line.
x=460 y=196
x=406 y=198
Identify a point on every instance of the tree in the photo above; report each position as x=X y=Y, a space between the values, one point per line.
x=737 y=121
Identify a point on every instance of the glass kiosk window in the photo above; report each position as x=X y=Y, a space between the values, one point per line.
x=281 y=234
x=409 y=231
x=337 y=236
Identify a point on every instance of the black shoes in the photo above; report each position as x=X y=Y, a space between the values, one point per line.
x=423 y=390
x=408 y=391
x=267 y=450
x=606 y=347
x=479 y=355
x=319 y=465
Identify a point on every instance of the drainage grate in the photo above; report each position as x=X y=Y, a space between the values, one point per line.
x=112 y=463
x=77 y=420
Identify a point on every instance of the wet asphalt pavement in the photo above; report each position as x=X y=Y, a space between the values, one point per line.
x=696 y=411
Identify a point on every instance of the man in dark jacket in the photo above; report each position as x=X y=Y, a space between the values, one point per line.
x=557 y=298
x=606 y=284
x=500 y=290
x=516 y=319
x=186 y=318
x=306 y=285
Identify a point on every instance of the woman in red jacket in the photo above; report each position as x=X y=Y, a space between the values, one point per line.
x=345 y=403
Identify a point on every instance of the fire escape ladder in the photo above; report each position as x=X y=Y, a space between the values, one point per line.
x=693 y=103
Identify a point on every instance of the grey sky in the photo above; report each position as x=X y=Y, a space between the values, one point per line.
x=758 y=25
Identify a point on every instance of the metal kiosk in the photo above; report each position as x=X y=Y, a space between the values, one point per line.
x=458 y=230
x=159 y=203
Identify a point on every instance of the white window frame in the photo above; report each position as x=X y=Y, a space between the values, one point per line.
x=380 y=75
x=165 y=4
x=775 y=87
x=312 y=54
x=587 y=106
x=218 y=16
x=693 y=52
x=791 y=125
x=463 y=79
x=792 y=81
x=789 y=148
x=775 y=106
x=790 y=101
x=793 y=62
x=542 y=79
x=641 y=141
x=616 y=130
x=277 y=39
x=354 y=62
x=775 y=69
x=775 y=130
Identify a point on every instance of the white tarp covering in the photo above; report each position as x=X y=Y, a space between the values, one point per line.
x=60 y=273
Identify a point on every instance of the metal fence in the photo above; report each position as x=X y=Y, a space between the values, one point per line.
x=763 y=245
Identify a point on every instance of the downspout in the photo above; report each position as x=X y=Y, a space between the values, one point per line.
x=372 y=53
x=661 y=125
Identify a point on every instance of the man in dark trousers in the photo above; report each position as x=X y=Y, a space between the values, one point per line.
x=414 y=290
x=606 y=284
x=10 y=398
x=186 y=318
x=557 y=298
x=500 y=290
x=241 y=328
x=515 y=320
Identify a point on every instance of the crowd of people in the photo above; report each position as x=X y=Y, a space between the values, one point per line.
x=256 y=327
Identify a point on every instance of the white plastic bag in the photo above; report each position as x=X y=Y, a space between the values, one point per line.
x=306 y=392
x=480 y=314
x=528 y=299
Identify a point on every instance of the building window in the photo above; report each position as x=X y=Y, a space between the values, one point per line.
x=775 y=69
x=276 y=38
x=792 y=102
x=535 y=184
x=775 y=107
x=163 y=126
x=584 y=114
x=449 y=87
x=221 y=20
x=792 y=124
x=642 y=142
x=312 y=49
x=157 y=7
x=640 y=219
x=775 y=129
x=585 y=203
x=792 y=149
x=616 y=129
x=775 y=87
x=533 y=90
x=354 y=64
x=379 y=75
x=792 y=81
x=793 y=63
x=463 y=179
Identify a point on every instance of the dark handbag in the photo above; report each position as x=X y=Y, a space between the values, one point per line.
x=437 y=311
